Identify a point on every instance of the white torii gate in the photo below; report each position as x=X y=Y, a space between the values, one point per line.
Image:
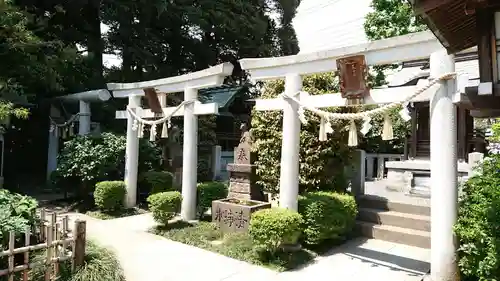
x=84 y=100
x=189 y=84
x=442 y=95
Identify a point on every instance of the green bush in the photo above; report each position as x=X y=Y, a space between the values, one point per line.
x=208 y=192
x=272 y=228
x=100 y=264
x=321 y=163
x=16 y=213
x=158 y=181
x=478 y=225
x=90 y=159
x=327 y=216
x=165 y=205
x=109 y=195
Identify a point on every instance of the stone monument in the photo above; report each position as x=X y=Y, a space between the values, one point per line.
x=242 y=171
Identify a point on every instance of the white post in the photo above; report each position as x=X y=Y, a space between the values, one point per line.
x=475 y=158
x=84 y=126
x=131 y=155
x=290 y=148
x=51 y=152
x=189 y=157
x=216 y=158
x=444 y=178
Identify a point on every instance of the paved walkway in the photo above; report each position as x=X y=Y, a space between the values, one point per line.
x=149 y=257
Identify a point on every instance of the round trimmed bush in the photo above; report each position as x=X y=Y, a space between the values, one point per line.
x=327 y=216
x=109 y=195
x=165 y=205
x=208 y=192
x=158 y=181
x=272 y=228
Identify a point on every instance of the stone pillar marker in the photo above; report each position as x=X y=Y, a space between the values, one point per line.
x=242 y=171
x=444 y=177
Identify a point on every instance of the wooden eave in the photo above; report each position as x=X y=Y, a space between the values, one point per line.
x=452 y=21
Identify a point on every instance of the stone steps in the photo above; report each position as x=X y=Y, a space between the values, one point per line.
x=404 y=220
x=398 y=222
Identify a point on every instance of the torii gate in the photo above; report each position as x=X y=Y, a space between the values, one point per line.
x=443 y=95
x=189 y=84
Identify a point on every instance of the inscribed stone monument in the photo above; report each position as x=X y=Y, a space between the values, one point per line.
x=242 y=171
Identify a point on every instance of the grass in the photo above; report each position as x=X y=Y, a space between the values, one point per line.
x=239 y=246
x=100 y=265
x=109 y=215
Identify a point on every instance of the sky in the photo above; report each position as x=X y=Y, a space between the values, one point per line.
x=319 y=25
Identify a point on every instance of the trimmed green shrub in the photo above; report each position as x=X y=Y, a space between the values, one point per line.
x=272 y=228
x=158 y=181
x=109 y=195
x=100 y=264
x=327 y=216
x=321 y=163
x=165 y=205
x=208 y=192
x=478 y=225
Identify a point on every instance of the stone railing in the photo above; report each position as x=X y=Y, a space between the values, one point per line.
x=375 y=164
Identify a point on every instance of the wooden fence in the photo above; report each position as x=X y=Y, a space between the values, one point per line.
x=58 y=241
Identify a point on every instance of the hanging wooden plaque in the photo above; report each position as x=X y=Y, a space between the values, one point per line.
x=153 y=101
x=353 y=73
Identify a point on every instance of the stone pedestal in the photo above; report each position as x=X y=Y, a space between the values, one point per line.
x=242 y=182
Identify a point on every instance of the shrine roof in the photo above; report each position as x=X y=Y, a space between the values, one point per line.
x=466 y=63
x=453 y=22
x=223 y=95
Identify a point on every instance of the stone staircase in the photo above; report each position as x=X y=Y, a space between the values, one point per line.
x=399 y=222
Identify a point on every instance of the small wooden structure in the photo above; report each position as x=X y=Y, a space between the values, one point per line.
x=462 y=24
x=54 y=237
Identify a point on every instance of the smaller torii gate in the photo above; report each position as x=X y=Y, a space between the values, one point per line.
x=84 y=99
x=189 y=84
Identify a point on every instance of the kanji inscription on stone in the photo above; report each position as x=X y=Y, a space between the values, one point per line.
x=233 y=215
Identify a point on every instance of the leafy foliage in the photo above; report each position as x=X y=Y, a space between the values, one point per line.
x=101 y=264
x=270 y=229
x=109 y=195
x=327 y=216
x=478 y=225
x=391 y=18
x=94 y=158
x=17 y=212
x=372 y=141
x=321 y=163
x=208 y=192
x=165 y=205
x=157 y=181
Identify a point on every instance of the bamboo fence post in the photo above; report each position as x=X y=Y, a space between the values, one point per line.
x=79 y=244
x=27 y=238
x=48 y=261
x=42 y=225
x=12 y=240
